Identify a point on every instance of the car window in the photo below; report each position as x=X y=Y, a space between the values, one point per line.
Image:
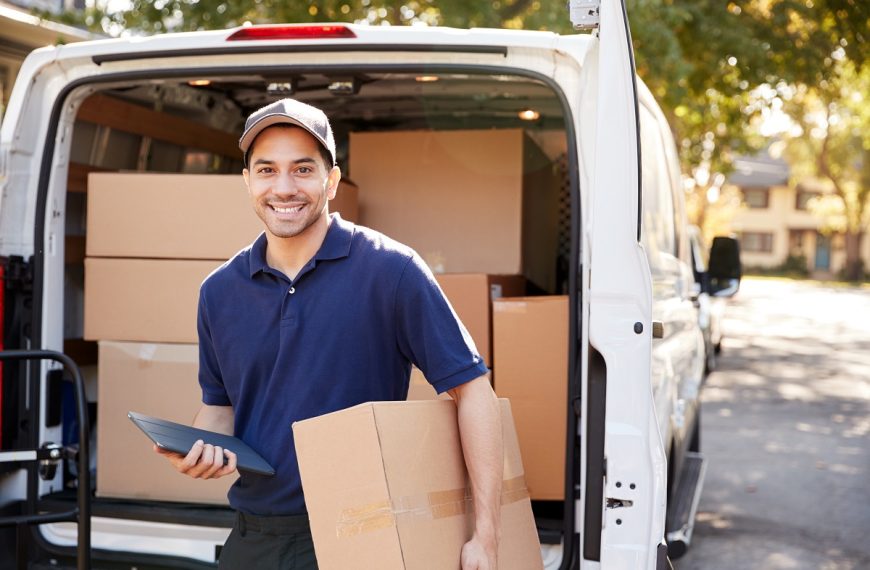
x=658 y=232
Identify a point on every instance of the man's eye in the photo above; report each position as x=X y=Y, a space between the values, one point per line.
x=304 y=170
x=265 y=170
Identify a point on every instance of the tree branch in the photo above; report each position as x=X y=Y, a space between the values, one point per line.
x=511 y=11
x=823 y=163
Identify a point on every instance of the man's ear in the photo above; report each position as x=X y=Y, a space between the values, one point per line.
x=246 y=174
x=332 y=182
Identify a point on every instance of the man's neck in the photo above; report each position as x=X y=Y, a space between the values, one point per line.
x=289 y=255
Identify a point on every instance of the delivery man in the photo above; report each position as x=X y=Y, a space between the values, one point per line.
x=315 y=316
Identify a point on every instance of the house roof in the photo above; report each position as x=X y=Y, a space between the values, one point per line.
x=760 y=170
x=22 y=32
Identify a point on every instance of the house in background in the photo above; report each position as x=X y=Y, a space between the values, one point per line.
x=776 y=224
x=21 y=32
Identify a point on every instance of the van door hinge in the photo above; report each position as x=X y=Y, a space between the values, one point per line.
x=584 y=14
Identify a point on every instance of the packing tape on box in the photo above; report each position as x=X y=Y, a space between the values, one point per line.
x=434 y=505
x=510 y=307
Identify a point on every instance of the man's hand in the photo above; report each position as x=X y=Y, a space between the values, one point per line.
x=478 y=554
x=204 y=461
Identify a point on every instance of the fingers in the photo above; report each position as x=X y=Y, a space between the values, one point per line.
x=203 y=461
x=230 y=467
x=188 y=464
x=217 y=463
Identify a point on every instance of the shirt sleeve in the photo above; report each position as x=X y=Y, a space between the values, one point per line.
x=430 y=334
x=210 y=380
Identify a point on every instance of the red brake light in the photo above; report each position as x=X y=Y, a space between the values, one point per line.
x=291 y=32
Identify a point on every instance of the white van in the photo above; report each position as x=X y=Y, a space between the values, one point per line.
x=635 y=354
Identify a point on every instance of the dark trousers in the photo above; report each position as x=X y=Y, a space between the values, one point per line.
x=269 y=543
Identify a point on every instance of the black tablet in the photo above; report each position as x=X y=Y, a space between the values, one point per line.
x=180 y=438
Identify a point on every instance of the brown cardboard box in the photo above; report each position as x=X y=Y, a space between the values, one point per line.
x=467 y=201
x=346 y=201
x=420 y=389
x=150 y=300
x=180 y=216
x=158 y=380
x=531 y=346
x=386 y=487
x=471 y=296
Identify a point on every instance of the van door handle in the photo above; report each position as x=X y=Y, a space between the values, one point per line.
x=658 y=329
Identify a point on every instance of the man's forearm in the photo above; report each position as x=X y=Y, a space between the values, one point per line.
x=218 y=419
x=480 y=432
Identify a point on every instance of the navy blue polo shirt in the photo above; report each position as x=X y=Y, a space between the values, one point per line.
x=344 y=332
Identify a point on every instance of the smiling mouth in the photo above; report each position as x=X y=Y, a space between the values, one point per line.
x=288 y=209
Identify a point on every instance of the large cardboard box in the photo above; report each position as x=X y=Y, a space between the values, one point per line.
x=467 y=201
x=158 y=380
x=179 y=216
x=420 y=389
x=386 y=487
x=471 y=295
x=150 y=300
x=531 y=347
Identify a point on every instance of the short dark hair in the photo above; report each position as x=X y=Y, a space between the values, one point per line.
x=325 y=155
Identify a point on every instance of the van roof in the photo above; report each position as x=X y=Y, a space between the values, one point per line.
x=397 y=36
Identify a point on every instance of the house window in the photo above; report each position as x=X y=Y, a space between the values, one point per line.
x=756 y=242
x=802 y=198
x=796 y=239
x=756 y=197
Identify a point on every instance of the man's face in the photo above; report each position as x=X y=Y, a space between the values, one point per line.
x=288 y=182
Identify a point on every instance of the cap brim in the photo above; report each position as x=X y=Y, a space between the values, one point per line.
x=268 y=121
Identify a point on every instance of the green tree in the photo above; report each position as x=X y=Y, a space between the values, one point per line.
x=829 y=148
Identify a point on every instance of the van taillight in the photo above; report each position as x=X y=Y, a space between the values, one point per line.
x=291 y=32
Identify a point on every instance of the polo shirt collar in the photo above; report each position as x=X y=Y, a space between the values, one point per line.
x=336 y=245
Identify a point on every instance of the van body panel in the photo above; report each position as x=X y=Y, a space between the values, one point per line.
x=620 y=311
x=646 y=380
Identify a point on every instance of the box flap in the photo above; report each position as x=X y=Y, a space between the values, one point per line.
x=353 y=524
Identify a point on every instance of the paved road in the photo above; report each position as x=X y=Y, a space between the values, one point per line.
x=786 y=429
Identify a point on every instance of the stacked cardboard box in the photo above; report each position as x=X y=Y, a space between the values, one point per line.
x=494 y=191
x=178 y=216
x=386 y=487
x=471 y=296
x=531 y=343
x=151 y=241
x=157 y=380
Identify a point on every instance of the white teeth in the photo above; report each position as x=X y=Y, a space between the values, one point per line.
x=294 y=209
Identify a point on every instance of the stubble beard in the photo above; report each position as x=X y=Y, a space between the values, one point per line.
x=282 y=229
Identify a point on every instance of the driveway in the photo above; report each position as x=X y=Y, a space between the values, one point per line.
x=786 y=430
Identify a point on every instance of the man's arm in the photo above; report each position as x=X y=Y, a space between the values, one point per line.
x=480 y=432
x=205 y=461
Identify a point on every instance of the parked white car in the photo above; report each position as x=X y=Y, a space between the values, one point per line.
x=711 y=304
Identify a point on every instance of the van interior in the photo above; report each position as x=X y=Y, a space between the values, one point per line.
x=191 y=126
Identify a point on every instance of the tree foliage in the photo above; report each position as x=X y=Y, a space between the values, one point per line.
x=829 y=148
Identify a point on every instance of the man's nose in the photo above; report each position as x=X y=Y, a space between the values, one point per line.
x=285 y=185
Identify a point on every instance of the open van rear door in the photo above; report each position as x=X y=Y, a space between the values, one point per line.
x=623 y=479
